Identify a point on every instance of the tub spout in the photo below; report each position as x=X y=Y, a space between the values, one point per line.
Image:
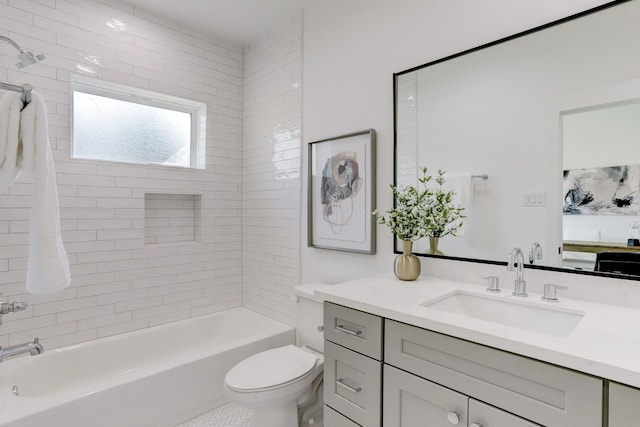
x=36 y=347
x=33 y=348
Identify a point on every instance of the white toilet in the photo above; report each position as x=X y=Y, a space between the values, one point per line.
x=284 y=385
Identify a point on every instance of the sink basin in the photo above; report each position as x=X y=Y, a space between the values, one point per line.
x=509 y=312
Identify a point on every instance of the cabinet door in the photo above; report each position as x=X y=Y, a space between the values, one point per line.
x=411 y=401
x=482 y=415
x=623 y=406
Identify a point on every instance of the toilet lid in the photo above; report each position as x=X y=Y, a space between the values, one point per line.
x=270 y=368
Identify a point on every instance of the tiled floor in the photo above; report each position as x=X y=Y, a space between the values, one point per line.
x=228 y=415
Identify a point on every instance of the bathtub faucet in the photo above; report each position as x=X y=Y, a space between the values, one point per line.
x=33 y=348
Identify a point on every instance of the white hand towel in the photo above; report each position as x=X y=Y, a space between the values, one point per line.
x=48 y=265
x=462 y=185
x=10 y=157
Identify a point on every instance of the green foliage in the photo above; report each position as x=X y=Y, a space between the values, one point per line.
x=424 y=211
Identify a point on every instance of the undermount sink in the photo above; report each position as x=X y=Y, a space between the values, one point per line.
x=509 y=312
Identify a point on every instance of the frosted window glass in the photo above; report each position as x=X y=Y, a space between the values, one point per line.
x=111 y=129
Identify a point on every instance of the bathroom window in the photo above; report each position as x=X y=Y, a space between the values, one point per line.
x=113 y=122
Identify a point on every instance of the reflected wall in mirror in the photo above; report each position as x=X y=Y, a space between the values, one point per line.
x=601 y=183
x=512 y=110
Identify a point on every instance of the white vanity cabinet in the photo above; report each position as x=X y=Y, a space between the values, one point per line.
x=624 y=406
x=352 y=367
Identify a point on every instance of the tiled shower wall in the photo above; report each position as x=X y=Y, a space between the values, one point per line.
x=271 y=192
x=119 y=283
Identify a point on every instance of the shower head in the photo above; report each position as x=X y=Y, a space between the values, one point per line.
x=26 y=57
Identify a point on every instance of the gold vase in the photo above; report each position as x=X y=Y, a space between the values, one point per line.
x=433 y=246
x=407 y=265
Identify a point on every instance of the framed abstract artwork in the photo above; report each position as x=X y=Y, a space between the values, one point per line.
x=613 y=190
x=341 y=193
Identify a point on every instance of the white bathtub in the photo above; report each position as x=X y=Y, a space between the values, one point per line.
x=155 y=377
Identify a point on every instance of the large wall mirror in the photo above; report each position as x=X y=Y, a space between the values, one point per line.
x=541 y=133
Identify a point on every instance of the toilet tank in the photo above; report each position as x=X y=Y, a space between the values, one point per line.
x=309 y=317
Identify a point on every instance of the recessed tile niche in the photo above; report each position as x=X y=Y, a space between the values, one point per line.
x=172 y=218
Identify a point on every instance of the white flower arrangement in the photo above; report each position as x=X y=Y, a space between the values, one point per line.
x=423 y=212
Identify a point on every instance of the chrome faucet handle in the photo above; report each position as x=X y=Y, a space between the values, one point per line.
x=550 y=292
x=11 y=307
x=19 y=306
x=493 y=282
x=6 y=308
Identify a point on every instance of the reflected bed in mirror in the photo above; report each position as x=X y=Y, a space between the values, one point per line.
x=548 y=115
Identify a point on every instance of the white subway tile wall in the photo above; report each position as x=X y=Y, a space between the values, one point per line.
x=407 y=135
x=271 y=192
x=118 y=283
x=171 y=218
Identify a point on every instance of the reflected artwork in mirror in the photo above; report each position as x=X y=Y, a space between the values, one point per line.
x=534 y=114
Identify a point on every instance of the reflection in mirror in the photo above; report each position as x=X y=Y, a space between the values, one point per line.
x=601 y=163
x=514 y=111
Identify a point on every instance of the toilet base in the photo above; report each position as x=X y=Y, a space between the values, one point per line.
x=284 y=414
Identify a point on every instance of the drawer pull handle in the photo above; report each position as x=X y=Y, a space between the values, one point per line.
x=346 y=330
x=475 y=425
x=354 y=390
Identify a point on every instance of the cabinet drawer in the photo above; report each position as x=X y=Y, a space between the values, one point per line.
x=540 y=392
x=352 y=384
x=359 y=331
x=336 y=419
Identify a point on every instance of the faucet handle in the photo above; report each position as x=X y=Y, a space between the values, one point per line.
x=493 y=282
x=12 y=307
x=550 y=292
x=19 y=305
x=6 y=308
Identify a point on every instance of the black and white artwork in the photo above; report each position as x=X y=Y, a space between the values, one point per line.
x=602 y=191
x=342 y=193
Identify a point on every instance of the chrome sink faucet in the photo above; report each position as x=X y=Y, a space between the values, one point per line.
x=516 y=261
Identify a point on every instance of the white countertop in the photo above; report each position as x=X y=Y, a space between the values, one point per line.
x=605 y=343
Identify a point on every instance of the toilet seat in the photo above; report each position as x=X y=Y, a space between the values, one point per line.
x=271 y=369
